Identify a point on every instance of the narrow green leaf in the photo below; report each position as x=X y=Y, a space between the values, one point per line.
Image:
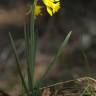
x=18 y=63
x=61 y=49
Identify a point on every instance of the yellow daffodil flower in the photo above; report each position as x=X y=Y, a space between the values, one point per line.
x=52 y=6
x=37 y=10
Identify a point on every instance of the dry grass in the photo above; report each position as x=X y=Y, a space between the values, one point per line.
x=78 y=87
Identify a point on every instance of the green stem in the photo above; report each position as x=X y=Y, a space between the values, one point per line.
x=32 y=44
x=30 y=39
x=27 y=45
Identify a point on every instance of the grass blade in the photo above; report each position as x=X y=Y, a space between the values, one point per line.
x=87 y=65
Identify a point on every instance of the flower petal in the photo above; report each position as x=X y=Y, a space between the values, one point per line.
x=49 y=10
x=52 y=6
